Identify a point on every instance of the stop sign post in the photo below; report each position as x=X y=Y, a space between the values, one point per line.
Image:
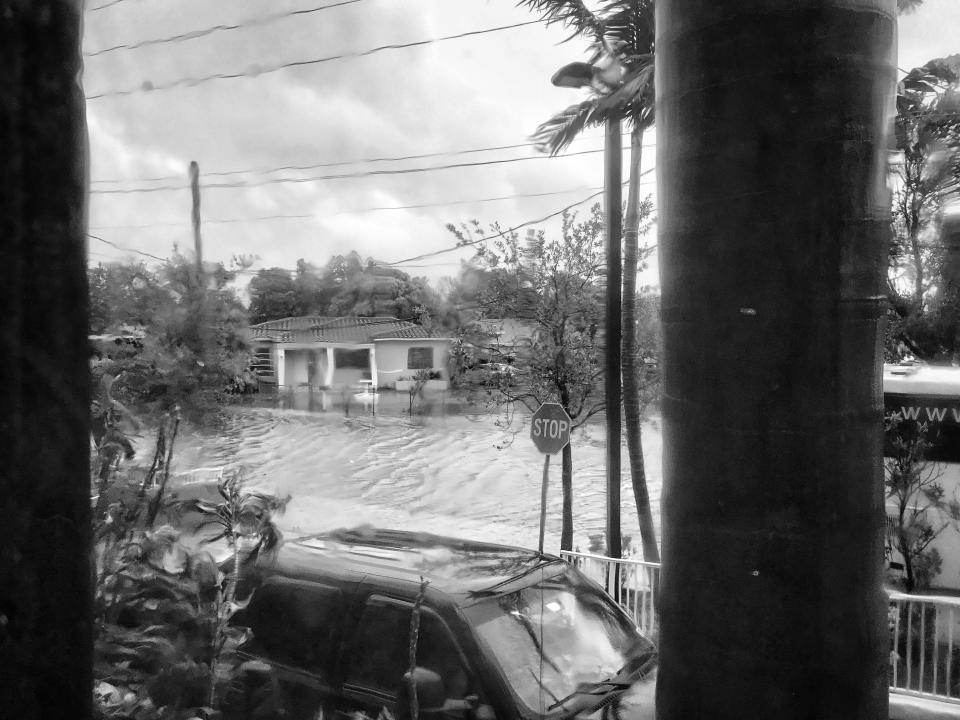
x=550 y=432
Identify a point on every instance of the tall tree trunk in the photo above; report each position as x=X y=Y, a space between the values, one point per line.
x=566 y=474
x=45 y=541
x=631 y=370
x=613 y=174
x=771 y=122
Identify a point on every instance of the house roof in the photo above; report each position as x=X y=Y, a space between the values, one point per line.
x=350 y=330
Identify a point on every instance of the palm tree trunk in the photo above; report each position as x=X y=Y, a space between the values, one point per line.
x=566 y=480
x=46 y=598
x=771 y=154
x=612 y=390
x=631 y=370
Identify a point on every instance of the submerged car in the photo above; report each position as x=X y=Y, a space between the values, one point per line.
x=383 y=624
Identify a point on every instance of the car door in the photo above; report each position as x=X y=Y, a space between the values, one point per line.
x=377 y=654
x=297 y=627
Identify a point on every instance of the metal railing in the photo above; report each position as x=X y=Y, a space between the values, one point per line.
x=631 y=583
x=925 y=650
x=924 y=629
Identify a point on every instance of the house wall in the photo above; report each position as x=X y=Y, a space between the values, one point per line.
x=295 y=367
x=392 y=359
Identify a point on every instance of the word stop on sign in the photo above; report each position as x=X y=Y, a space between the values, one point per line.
x=553 y=429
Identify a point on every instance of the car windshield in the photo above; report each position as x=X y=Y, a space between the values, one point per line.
x=552 y=640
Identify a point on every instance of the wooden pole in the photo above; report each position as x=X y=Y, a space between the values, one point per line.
x=195 y=217
x=45 y=539
x=613 y=178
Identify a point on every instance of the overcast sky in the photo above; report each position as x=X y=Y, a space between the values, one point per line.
x=332 y=116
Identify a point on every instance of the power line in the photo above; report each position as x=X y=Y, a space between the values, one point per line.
x=423 y=256
x=338 y=163
x=105 y=5
x=147 y=86
x=313 y=216
x=343 y=176
x=504 y=232
x=126 y=249
x=194 y=34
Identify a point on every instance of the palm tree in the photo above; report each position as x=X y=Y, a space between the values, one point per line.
x=772 y=247
x=621 y=49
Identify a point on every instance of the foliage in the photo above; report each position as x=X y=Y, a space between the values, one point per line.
x=620 y=77
x=163 y=641
x=345 y=286
x=167 y=341
x=926 y=177
x=620 y=67
x=922 y=510
x=555 y=287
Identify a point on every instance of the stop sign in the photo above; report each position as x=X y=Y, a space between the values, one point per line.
x=550 y=428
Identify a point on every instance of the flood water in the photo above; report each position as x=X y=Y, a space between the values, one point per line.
x=443 y=469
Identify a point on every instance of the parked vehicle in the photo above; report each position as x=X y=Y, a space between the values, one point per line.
x=504 y=633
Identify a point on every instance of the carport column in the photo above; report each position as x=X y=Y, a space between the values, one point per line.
x=281 y=367
x=328 y=380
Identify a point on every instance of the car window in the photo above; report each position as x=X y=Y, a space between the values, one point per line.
x=376 y=655
x=437 y=651
x=295 y=622
x=379 y=652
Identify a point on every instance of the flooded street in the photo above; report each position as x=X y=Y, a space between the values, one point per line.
x=445 y=471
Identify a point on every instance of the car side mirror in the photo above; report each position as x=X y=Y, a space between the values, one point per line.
x=429 y=688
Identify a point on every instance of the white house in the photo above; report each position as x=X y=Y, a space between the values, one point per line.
x=326 y=352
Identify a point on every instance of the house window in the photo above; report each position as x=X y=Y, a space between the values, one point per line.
x=358 y=359
x=420 y=358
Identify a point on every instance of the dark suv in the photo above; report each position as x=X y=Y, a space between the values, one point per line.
x=503 y=633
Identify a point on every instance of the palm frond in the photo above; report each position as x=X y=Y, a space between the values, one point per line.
x=635 y=98
x=572 y=14
x=559 y=131
x=628 y=26
x=908 y=5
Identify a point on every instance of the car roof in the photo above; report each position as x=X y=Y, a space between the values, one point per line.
x=450 y=565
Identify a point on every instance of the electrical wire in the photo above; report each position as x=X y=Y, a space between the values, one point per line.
x=513 y=229
x=105 y=5
x=195 y=34
x=338 y=163
x=126 y=249
x=148 y=86
x=435 y=253
x=342 y=176
x=313 y=216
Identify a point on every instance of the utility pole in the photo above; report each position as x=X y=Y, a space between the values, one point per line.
x=195 y=216
x=613 y=179
x=46 y=594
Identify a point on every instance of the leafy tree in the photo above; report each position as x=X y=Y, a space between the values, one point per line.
x=345 y=286
x=922 y=510
x=192 y=348
x=555 y=286
x=620 y=75
x=926 y=176
x=273 y=295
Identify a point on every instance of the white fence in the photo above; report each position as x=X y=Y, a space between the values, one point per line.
x=631 y=583
x=924 y=629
